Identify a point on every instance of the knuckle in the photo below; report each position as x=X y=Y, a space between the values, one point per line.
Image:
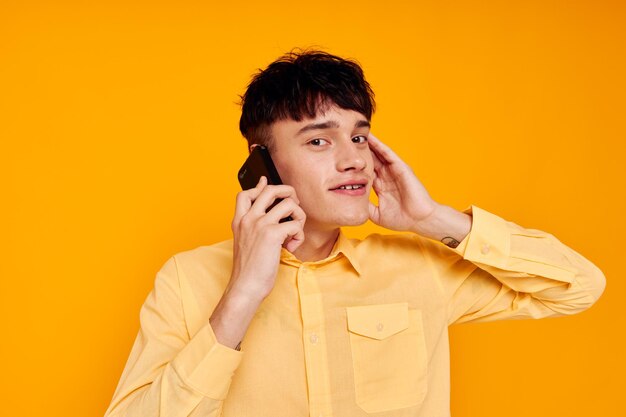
x=245 y=193
x=289 y=203
x=246 y=221
x=242 y=196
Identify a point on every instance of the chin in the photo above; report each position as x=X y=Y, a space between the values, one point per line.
x=355 y=219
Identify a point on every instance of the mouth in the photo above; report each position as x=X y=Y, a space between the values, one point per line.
x=357 y=189
x=349 y=187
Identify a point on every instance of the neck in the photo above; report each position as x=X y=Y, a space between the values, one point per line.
x=317 y=245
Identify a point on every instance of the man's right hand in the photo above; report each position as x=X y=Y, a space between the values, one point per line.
x=257 y=241
x=259 y=236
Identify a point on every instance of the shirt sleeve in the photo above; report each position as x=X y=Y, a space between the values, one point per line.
x=504 y=271
x=169 y=373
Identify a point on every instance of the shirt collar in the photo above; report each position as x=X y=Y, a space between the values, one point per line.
x=343 y=246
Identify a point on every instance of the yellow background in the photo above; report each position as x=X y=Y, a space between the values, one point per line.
x=120 y=146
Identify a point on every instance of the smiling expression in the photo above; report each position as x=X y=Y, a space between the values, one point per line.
x=328 y=161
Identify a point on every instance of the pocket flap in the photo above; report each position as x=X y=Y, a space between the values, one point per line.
x=378 y=321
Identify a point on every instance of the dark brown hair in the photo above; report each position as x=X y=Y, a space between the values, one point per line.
x=298 y=85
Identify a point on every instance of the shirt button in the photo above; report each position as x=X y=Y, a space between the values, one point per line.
x=484 y=249
x=313 y=338
x=380 y=327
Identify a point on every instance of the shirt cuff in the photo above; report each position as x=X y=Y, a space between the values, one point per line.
x=488 y=241
x=206 y=365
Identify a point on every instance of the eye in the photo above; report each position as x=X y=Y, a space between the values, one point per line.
x=318 y=142
x=359 y=139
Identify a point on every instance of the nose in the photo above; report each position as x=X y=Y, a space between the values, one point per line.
x=350 y=157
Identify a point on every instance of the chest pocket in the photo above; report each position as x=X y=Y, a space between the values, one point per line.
x=388 y=356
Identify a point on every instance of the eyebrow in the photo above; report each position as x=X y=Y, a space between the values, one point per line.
x=328 y=124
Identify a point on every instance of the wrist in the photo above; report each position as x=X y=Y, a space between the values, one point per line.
x=232 y=316
x=446 y=225
x=243 y=291
x=239 y=301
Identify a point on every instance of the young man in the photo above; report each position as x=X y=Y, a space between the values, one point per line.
x=294 y=319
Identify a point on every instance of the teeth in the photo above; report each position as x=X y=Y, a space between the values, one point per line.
x=350 y=187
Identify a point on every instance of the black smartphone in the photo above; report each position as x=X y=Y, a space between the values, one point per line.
x=258 y=164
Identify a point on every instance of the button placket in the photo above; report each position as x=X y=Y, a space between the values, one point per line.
x=315 y=355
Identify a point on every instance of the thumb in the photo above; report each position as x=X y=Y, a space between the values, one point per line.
x=374 y=213
x=291 y=244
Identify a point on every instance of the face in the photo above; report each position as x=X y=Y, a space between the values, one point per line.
x=328 y=161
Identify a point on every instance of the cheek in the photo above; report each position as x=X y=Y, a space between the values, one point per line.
x=285 y=170
x=297 y=175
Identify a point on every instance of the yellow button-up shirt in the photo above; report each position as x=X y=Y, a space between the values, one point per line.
x=363 y=331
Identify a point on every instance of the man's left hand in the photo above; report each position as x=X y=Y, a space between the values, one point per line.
x=403 y=202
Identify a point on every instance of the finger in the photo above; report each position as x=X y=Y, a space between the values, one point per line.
x=292 y=244
x=246 y=198
x=293 y=234
x=287 y=207
x=374 y=213
x=268 y=195
x=382 y=151
x=378 y=164
x=377 y=185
